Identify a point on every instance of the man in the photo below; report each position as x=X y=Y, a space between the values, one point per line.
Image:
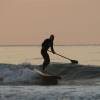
x=48 y=43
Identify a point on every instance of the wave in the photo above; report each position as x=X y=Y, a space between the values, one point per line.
x=24 y=74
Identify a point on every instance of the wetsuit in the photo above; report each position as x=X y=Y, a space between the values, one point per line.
x=45 y=46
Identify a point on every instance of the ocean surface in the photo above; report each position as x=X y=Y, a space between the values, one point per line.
x=19 y=80
x=31 y=54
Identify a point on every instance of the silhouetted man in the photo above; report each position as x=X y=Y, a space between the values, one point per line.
x=48 y=43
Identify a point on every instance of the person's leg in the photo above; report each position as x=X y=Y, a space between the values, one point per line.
x=46 y=61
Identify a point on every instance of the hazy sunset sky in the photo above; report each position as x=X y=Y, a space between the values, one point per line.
x=30 y=21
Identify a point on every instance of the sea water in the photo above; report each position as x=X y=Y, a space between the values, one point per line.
x=49 y=93
x=31 y=54
x=86 y=55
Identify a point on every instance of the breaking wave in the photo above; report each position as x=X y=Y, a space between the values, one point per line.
x=24 y=74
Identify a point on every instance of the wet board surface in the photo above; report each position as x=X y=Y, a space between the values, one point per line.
x=47 y=76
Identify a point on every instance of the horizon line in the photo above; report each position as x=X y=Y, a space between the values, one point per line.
x=4 y=45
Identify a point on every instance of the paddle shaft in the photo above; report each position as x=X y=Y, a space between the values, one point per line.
x=73 y=61
x=60 y=55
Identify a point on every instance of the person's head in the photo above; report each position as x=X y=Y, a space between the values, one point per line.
x=52 y=37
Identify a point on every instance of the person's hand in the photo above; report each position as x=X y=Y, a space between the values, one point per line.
x=53 y=52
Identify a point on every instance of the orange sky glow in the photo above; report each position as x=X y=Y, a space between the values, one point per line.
x=31 y=21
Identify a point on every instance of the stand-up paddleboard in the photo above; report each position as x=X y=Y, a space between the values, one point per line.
x=45 y=75
x=48 y=79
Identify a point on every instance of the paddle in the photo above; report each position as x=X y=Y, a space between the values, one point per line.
x=72 y=61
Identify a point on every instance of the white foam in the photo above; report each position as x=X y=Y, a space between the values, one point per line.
x=16 y=74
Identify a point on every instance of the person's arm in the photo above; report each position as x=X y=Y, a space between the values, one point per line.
x=52 y=49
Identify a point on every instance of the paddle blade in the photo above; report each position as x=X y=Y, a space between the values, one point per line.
x=74 y=61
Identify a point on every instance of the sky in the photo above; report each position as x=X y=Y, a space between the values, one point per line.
x=31 y=21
